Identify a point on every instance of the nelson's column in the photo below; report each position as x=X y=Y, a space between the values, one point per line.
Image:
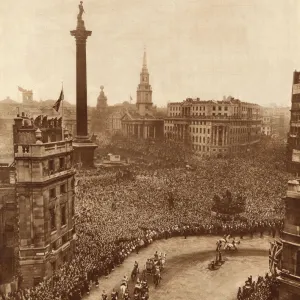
x=83 y=146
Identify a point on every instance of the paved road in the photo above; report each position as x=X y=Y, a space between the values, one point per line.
x=186 y=275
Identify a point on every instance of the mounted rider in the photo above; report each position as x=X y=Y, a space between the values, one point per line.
x=144 y=285
x=104 y=295
x=136 y=265
x=145 y=296
x=157 y=271
x=124 y=281
x=114 y=295
x=219 y=245
x=126 y=295
x=138 y=286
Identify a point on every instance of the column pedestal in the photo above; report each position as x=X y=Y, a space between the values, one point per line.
x=84 y=152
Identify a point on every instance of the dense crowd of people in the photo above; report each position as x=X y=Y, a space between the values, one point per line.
x=117 y=216
x=264 y=288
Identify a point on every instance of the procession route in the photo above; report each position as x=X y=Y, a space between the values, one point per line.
x=186 y=275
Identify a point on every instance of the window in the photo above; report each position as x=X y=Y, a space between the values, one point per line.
x=61 y=162
x=64 y=238
x=52 y=193
x=214 y=108
x=226 y=108
x=63 y=188
x=51 y=166
x=63 y=215
x=52 y=219
x=208 y=131
x=220 y=108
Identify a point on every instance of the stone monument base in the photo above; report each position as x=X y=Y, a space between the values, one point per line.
x=84 y=150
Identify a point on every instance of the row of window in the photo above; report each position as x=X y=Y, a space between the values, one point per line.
x=53 y=216
x=201 y=148
x=199 y=130
x=51 y=164
x=62 y=190
x=53 y=212
x=199 y=139
x=220 y=108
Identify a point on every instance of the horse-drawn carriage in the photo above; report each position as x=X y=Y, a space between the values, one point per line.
x=153 y=268
x=150 y=266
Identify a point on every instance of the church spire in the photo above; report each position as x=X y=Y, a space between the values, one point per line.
x=145 y=59
x=144 y=90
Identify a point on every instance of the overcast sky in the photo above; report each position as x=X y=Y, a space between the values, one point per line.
x=195 y=48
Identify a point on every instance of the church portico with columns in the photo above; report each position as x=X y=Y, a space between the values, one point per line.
x=143 y=129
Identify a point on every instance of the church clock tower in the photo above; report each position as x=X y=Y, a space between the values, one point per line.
x=144 y=90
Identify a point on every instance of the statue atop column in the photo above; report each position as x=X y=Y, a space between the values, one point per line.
x=79 y=16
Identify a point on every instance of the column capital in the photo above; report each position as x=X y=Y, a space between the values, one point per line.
x=81 y=34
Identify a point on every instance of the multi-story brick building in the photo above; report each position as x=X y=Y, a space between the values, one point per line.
x=286 y=251
x=8 y=224
x=214 y=128
x=293 y=140
x=45 y=193
x=275 y=121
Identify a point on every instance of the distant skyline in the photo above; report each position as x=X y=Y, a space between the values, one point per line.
x=195 y=48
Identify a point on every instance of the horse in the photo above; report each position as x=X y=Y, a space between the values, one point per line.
x=156 y=279
x=137 y=288
x=134 y=272
x=163 y=260
x=156 y=276
x=123 y=289
x=231 y=246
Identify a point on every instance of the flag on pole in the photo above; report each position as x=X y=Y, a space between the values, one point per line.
x=57 y=103
x=21 y=89
x=275 y=255
x=130 y=98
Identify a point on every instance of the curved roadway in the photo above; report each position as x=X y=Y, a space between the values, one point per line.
x=186 y=275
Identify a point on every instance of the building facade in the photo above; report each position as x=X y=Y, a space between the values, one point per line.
x=45 y=193
x=293 y=140
x=288 y=253
x=143 y=123
x=214 y=128
x=275 y=121
x=8 y=224
x=266 y=125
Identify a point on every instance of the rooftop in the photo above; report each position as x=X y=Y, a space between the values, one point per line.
x=44 y=149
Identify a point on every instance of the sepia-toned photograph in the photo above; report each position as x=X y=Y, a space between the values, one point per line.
x=149 y=150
